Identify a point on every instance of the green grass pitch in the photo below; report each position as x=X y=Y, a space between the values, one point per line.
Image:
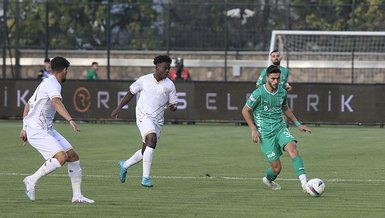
x=203 y=170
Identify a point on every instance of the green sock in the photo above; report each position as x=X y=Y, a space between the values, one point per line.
x=270 y=175
x=298 y=165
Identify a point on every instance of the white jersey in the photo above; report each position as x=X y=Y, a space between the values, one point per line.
x=154 y=97
x=41 y=111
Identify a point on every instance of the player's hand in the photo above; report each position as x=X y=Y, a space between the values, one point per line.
x=288 y=88
x=114 y=114
x=255 y=136
x=172 y=107
x=74 y=126
x=304 y=128
x=23 y=136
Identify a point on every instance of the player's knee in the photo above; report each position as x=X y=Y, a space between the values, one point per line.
x=277 y=169
x=61 y=157
x=151 y=144
x=151 y=140
x=291 y=148
x=72 y=156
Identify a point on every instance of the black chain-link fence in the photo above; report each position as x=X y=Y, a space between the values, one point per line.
x=173 y=25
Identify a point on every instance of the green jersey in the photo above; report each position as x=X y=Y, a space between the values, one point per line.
x=267 y=110
x=282 y=80
x=91 y=75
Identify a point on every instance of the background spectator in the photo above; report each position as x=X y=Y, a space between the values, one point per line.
x=179 y=72
x=46 y=71
x=92 y=72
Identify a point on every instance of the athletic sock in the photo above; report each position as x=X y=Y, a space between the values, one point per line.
x=298 y=165
x=75 y=174
x=134 y=159
x=270 y=175
x=299 y=169
x=49 y=166
x=302 y=178
x=147 y=161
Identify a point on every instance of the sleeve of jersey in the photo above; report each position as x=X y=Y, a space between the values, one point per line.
x=260 y=80
x=54 y=90
x=173 y=98
x=253 y=100
x=136 y=86
x=284 y=103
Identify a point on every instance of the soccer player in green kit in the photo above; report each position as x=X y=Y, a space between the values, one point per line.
x=275 y=57
x=263 y=113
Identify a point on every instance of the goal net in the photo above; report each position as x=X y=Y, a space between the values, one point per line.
x=331 y=56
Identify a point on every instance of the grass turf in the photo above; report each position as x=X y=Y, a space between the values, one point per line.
x=202 y=170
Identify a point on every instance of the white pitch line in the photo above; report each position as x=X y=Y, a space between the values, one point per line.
x=336 y=180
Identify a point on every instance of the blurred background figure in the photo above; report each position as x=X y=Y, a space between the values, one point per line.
x=179 y=72
x=92 y=72
x=46 y=71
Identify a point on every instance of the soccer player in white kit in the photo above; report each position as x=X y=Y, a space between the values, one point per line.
x=38 y=130
x=157 y=93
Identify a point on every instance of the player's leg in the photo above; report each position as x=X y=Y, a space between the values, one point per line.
x=125 y=164
x=75 y=174
x=134 y=159
x=271 y=175
x=150 y=132
x=289 y=145
x=272 y=152
x=297 y=161
x=52 y=152
x=148 y=151
x=74 y=169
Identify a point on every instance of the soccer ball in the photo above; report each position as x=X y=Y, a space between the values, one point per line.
x=315 y=187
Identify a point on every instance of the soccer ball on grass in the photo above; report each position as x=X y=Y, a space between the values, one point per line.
x=315 y=187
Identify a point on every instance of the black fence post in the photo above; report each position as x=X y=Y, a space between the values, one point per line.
x=4 y=38
x=354 y=38
x=17 y=39
x=108 y=38
x=226 y=39
x=46 y=47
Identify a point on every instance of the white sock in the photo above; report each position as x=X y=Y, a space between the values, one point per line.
x=302 y=179
x=49 y=166
x=147 y=161
x=75 y=174
x=134 y=159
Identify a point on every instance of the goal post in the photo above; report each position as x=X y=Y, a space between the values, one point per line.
x=332 y=56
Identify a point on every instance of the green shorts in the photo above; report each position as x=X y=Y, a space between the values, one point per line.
x=272 y=147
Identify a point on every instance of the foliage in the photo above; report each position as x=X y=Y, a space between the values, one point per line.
x=338 y=15
x=83 y=24
x=180 y=25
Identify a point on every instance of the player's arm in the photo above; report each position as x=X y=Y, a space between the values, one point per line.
x=127 y=98
x=260 y=81
x=60 y=108
x=246 y=113
x=287 y=84
x=23 y=134
x=172 y=106
x=173 y=99
x=288 y=113
x=288 y=87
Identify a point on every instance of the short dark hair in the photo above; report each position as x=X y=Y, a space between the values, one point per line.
x=162 y=58
x=59 y=63
x=274 y=51
x=94 y=63
x=47 y=60
x=272 y=69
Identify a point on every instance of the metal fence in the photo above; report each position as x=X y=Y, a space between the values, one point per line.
x=171 y=25
x=209 y=25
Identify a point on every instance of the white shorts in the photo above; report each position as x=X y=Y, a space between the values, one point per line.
x=147 y=126
x=47 y=142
